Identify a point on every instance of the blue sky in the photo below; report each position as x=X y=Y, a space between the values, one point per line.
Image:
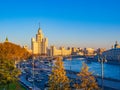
x=78 y=23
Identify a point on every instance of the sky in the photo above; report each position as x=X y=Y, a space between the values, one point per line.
x=73 y=23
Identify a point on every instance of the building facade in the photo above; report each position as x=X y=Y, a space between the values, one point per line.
x=100 y=50
x=39 y=45
x=26 y=47
x=60 y=52
x=113 y=54
x=116 y=45
x=89 y=52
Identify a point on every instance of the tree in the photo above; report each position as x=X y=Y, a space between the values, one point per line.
x=58 y=79
x=8 y=72
x=12 y=51
x=88 y=81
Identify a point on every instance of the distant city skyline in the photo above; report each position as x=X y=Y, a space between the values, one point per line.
x=69 y=23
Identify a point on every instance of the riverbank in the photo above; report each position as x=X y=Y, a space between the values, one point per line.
x=111 y=79
x=115 y=62
x=92 y=59
x=109 y=84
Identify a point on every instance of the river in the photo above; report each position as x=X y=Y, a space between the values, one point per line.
x=110 y=70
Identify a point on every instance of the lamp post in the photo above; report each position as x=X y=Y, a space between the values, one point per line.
x=119 y=63
x=33 y=70
x=102 y=60
x=70 y=65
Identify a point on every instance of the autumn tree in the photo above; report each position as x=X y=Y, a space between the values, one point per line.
x=88 y=81
x=12 y=51
x=58 y=79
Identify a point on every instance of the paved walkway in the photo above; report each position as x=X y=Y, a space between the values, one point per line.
x=110 y=83
x=115 y=85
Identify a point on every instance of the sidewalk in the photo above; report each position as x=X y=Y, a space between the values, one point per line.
x=107 y=83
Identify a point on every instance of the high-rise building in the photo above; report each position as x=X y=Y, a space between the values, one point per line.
x=39 y=45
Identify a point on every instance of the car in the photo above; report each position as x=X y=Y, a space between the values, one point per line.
x=46 y=88
x=30 y=79
x=30 y=88
x=38 y=80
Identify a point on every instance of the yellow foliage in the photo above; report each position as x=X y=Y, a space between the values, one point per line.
x=88 y=81
x=12 y=51
x=8 y=72
x=58 y=79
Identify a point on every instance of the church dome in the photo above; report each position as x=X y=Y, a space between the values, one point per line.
x=116 y=45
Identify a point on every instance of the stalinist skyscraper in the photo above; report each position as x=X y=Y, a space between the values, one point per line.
x=39 y=45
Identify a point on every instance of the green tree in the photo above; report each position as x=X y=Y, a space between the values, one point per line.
x=88 y=81
x=8 y=72
x=10 y=52
x=58 y=79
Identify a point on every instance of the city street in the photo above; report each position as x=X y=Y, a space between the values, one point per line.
x=38 y=76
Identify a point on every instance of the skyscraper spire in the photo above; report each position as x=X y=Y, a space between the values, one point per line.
x=39 y=25
x=39 y=29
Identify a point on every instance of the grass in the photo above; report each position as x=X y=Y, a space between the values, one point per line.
x=13 y=86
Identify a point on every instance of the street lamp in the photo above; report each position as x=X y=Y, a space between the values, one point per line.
x=33 y=71
x=70 y=58
x=119 y=63
x=102 y=60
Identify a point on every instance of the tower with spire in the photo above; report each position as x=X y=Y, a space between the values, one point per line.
x=6 y=40
x=39 y=45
